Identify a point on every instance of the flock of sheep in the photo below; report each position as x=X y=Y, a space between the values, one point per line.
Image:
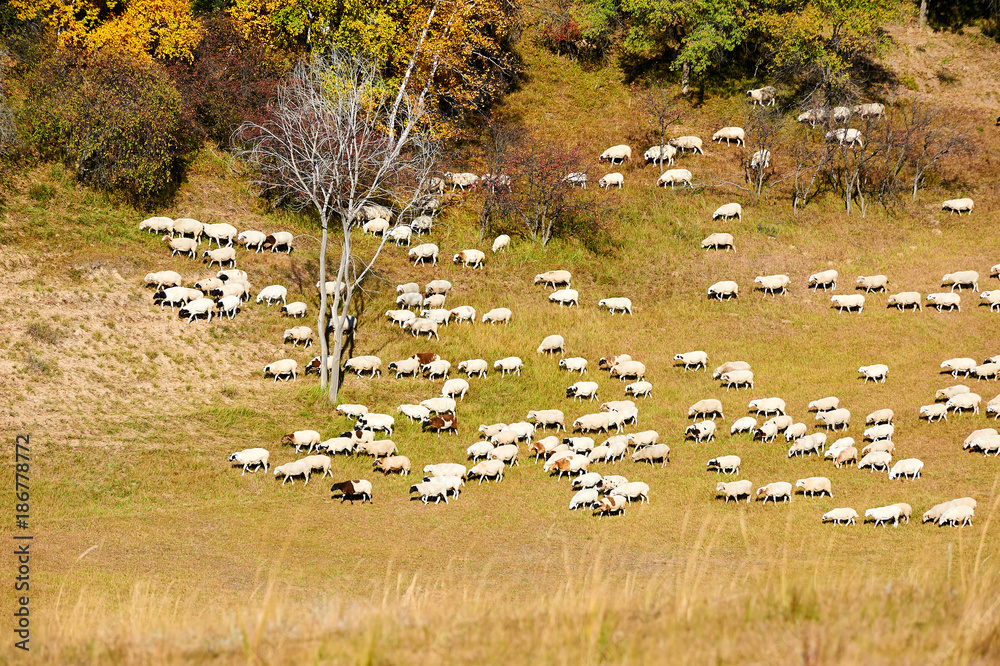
x=424 y=311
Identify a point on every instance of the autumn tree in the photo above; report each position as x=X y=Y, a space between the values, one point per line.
x=159 y=28
x=460 y=50
x=325 y=145
x=822 y=42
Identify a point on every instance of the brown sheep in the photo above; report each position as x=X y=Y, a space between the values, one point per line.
x=426 y=357
x=848 y=455
x=441 y=423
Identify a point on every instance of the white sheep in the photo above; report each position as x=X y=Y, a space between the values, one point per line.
x=834 y=419
x=958 y=206
x=871 y=283
x=552 y=344
x=938 y=510
x=470 y=258
x=247 y=457
x=845 y=515
x=162 y=279
x=737 y=134
x=622 y=304
x=991 y=298
x=876 y=460
x=414 y=412
x=842 y=136
x=554 y=278
x=876 y=372
x=737 y=378
x=701 y=431
x=813 y=116
x=724 y=290
x=959 y=279
x=763 y=96
x=498 y=316
x=660 y=155
x=436 y=369
x=376 y=227
x=252 y=239
x=963 y=365
x=400 y=317
x=883 y=514
x=474 y=367
x=725 y=464
x=363 y=364
x=705 y=408
x=616 y=154
x=848 y=302
x=282 y=368
x=463 y=181
x=743 y=424
x=576 y=178
x=440 y=316
x=421 y=326
x=401 y=234
x=544 y=418
x=963 y=402
x=880 y=417
x=951 y=391
x=574 y=364
x=672 y=176
x=814 y=485
x=826 y=279
x=569 y=297
x=767 y=406
x=936 y=411
x=906 y=468
x=775 y=491
x=157 y=225
x=761 y=159
x=410 y=299
x=807 y=445
x=199 y=307
x=959 y=516
x=454 y=387
x=297 y=335
x=511 y=364
x=728 y=211
x=718 y=241
x=905 y=299
x=824 y=404
x=422 y=224
x=693 y=359
x=686 y=143
x=228 y=306
x=795 y=431
x=734 y=490
x=272 y=294
x=633 y=490
x=641 y=389
x=870 y=110
x=949 y=300
x=424 y=252
x=611 y=179
x=220 y=232
x=986 y=371
x=405 y=367
x=772 y=283
x=500 y=242
x=629 y=369
x=182 y=245
x=585 y=498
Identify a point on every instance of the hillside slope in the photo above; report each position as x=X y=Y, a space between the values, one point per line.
x=133 y=412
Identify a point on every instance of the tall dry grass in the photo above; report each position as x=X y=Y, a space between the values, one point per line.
x=755 y=607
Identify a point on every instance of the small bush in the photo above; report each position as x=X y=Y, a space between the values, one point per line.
x=229 y=80
x=116 y=122
x=908 y=81
x=44 y=333
x=41 y=192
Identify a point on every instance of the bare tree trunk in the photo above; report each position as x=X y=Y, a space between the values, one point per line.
x=685 y=78
x=321 y=319
x=923 y=14
x=340 y=317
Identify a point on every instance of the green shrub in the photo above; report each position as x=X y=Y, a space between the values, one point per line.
x=117 y=122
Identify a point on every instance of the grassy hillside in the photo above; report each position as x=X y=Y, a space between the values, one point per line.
x=133 y=413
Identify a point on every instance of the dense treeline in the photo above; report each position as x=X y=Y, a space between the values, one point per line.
x=124 y=92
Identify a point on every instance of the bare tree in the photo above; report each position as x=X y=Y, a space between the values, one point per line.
x=542 y=200
x=762 y=128
x=334 y=141
x=659 y=107
x=500 y=144
x=934 y=138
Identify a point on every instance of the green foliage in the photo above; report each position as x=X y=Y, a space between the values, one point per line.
x=908 y=81
x=116 y=122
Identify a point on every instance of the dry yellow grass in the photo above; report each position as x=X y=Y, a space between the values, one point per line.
x=133 y=414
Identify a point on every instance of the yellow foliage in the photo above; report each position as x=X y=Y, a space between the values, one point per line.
x=158 y=28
